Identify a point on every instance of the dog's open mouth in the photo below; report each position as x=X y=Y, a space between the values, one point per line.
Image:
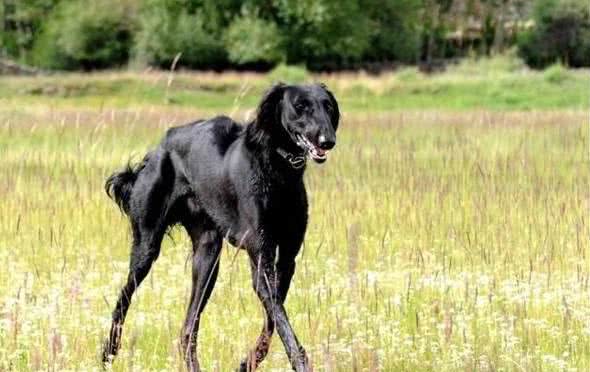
x=314 y=152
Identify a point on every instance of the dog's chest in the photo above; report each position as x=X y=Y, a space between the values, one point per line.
x=285 y=208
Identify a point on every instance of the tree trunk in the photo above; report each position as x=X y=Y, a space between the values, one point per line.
x=498 y=46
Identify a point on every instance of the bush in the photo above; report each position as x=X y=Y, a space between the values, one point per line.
x=555 y=74
x=561 y=34
x=508 y=62
x=288 y=74
x=164 y=32
x=20 y=26
x=394 y=32
x=324 y=34
x=408 y=74
x=251 y=40
x=87 y=35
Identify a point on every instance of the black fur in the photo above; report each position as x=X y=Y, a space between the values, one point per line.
x=119 y=185
x=220 y=179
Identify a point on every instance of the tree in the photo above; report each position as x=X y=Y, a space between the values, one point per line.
x=251 y=40
x=20 y=23
x=81 y=35
x=323 y=33
x=167 y=28
x=561 y=34
x=433 y=28
x=395 y=28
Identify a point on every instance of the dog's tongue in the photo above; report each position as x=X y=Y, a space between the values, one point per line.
x=318 y=153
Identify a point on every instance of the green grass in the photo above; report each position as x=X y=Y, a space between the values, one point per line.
x=439 y=240
x=470 y=85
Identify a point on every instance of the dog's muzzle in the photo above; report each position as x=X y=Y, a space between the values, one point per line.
x=316 y=153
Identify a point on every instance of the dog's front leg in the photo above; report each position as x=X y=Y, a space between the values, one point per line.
x=264 y=280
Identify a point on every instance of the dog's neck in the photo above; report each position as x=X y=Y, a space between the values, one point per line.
x=296 y=160
x=274 y=148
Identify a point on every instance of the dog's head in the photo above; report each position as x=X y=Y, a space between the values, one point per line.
x=308 y=114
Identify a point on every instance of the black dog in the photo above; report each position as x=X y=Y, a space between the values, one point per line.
x=223 y=180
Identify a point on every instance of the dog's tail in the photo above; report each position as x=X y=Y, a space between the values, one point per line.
x=120 y=185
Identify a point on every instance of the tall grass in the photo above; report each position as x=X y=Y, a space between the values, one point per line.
x=437 y=241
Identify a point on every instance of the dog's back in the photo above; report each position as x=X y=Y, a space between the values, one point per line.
x=216 y=134
x=203 y=143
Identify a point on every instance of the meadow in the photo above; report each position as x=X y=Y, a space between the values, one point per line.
x=448 y=229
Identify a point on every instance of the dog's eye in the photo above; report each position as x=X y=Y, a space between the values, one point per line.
x=300 y=106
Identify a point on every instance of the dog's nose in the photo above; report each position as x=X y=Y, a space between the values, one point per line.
x=326 y=143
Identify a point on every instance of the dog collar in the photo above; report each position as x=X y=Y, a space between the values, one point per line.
x=296 y=161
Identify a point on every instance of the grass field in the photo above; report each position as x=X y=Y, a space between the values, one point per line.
x=449 y=230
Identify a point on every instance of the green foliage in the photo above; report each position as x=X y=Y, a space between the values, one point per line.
x=20 y=22
x=288 y=74
x=319 y=34
x=167 y=28
x=250 y=39
x=324 y=33
x=496 y=64
x=86 y=35
x=556 y=74
x=561 y=34
x=407 y=74
x=394 y=30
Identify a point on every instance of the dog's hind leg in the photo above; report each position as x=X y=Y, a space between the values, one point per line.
x=207 y=243
x=146 y=247
x=148 y=212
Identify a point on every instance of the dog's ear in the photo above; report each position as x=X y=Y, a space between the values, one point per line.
x=269 y=110
x=335 y=113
